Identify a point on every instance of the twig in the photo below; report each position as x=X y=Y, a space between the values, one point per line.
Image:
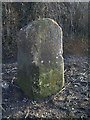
x=2 y=108
x=62 y=89
x=27 y=114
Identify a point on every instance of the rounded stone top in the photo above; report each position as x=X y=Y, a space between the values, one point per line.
x=41 y=31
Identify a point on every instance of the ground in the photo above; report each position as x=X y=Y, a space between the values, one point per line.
x=71 y=102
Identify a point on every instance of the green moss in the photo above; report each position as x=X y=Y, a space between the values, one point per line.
x=47 y=83
x=51 y=81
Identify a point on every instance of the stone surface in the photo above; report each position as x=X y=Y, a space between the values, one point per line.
x=40 y=61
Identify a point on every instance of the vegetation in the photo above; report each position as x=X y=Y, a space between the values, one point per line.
x=72 y=17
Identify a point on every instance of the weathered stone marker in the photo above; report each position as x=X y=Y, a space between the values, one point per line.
x=40 y=61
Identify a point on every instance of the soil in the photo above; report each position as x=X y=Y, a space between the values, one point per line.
x=71 y=102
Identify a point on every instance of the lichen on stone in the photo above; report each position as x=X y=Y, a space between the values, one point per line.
x=40 y=61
